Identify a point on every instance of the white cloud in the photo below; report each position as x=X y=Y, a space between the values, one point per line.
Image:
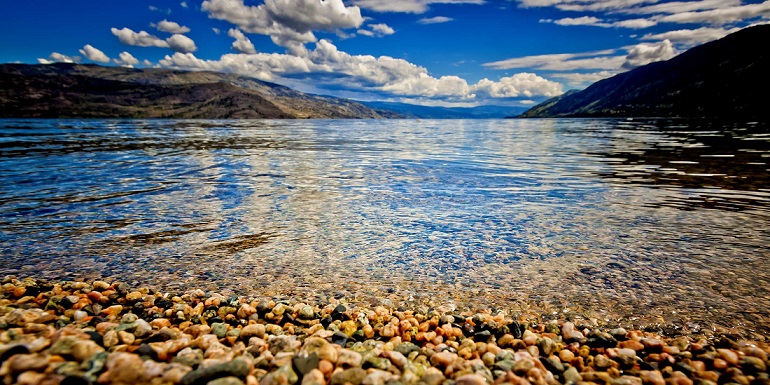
x=183 y=4
x=721 y=15
x=714 y=12
x=181 y=43
x=141 y=38
x=681 y=6
x=585 y=20
x=407 y=6
x=691 y=37
x=376 y=30
x=596 y=22
x=170 y=27
x=563 y=62
x=216 y=30
x=382 y=29
x=327 y=66
x=56 y=57
x=521 y=84
x=146 y=63
x=289 y=23
x=156 y=9
x=585 y=5
x=242 y=43
x=126 y=60
x=635 y=23
x=435 y=20
x=176 y=42
x=94 y=54
x=642 y=54
x=365 y=32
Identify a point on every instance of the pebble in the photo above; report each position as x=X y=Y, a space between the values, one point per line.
x=354 y=376
x=471 y=379
x=131 y=336
x=348 y=358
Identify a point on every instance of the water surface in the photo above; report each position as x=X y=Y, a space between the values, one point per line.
x=655 y=220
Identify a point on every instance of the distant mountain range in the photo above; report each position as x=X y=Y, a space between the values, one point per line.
x=92 y=91
x=429 y=112
x=728 y=78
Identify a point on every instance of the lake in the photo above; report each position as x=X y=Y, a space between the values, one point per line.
x=650 y=222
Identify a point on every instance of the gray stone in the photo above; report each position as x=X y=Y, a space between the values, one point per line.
x=305 y=364
x=285 y=375
x=353 y=375
x=406 y=348
x=219 y=329
x=306 y=312
x=236 y=368
x=572 y=375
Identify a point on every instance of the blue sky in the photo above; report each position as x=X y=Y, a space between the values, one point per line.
x=432 y=52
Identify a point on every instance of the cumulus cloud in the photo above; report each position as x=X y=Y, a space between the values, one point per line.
x=183 y=4
x=692 y=37
x=242 y=43
x=176 y=42
x=94 y=54
x=407 y=6
x=289 y=23
x=435 y=20
x=181 y=43
x=56 y=57
x=642 y=54
x=125 y=59
x=327 y=64
x=140 y=39
x=170 y=27
x=521 y=84
x=383 y=29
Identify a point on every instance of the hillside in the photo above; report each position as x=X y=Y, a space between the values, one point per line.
x=91 y=91
x=727 y=78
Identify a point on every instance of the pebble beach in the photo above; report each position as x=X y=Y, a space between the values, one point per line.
x=102 y=332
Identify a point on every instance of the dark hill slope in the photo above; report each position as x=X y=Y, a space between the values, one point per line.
x=71 y=90
x=727 y=78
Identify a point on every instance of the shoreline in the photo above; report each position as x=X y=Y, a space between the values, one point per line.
x=100 y=332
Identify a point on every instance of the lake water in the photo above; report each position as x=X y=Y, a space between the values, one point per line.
x=645 y=221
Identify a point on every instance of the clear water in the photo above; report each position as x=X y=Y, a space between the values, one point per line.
x=654 y=220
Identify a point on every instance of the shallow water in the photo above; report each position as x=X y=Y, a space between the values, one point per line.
x=656 y=220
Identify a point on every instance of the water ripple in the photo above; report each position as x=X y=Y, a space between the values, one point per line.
x=652 y=218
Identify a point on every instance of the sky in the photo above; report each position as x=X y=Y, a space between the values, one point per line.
x=428 y=52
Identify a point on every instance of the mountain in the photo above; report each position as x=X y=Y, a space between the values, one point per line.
x=727 y=78
x=92 y=91
x=430 y=112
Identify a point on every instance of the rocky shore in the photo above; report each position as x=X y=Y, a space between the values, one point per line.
x=109 y=333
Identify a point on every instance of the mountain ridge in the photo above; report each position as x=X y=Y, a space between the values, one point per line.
x=726 y=78
x=94 y=91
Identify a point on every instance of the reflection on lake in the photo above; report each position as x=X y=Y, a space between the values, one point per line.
x=664 y=220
